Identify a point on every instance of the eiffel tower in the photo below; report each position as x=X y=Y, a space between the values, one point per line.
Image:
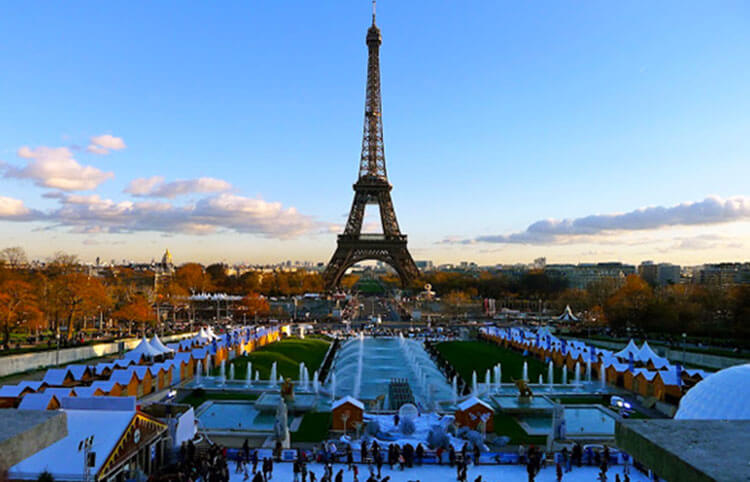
x=372 y=187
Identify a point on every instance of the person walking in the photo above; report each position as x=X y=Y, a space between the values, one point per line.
x=420 y=453
x=452 y=456
x=439 y=455
x=340 y=476
x=559 y=472
x=363 y=451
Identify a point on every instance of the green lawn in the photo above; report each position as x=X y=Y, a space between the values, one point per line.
x=468 y=356
x=508 y=426
x=197 y=397
x=314 y=427
x=287 y=353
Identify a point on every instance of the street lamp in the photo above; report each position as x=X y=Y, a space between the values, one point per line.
x=89 y=457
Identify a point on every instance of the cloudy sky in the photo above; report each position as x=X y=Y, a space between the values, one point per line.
x=576 y=131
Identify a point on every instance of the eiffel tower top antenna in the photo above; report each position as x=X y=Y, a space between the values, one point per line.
x=373 y=12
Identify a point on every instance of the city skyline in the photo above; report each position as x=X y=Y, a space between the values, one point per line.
x=563 y=133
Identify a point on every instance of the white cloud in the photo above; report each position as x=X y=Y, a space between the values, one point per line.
x=712 y=210
x=55 y=167
x=143 y=185
x=12 y=208
x=104 y=143
x=93 y=214
x=156 y=187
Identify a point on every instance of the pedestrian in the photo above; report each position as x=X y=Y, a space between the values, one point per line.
x=355 y=470
x=296 y=470
x=439 y=455
x=559 y=472
x=349 y=457
x=521 y=454
x=255 y=461
x=451 y=456
x=617 y=478
x=363 y=451
x=246 y=450
x=420 y=453
x=476 y=454
x=340 y=476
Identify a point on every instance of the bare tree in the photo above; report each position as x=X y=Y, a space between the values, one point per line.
x=14 y=257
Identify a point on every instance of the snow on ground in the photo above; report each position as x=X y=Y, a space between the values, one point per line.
x=282 y=472
x=422 y=425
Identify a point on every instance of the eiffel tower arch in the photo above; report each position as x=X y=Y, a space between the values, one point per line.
x=372 y=187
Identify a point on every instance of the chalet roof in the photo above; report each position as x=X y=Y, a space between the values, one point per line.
x=471 y=401
x=144 y=349
x=36 y=401
x=55 y=376
x=347 y=399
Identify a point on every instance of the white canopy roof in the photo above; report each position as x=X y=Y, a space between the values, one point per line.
x=157 y=345
x=647 y=354
x=143 y=349
x=567 y=315
x=631 y=348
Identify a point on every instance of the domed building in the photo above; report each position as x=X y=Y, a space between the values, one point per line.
x=167 y=265
x=725 y=395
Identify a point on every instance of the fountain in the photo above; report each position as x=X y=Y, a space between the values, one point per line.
x=565 y=375
x=499 y=376
x=474 y=383
x=550 y=374
x=487 y=381
x=541 y=379
x=316 y=382
x=333 y=386
x=249 y=374
x=231 y=371
x=222 y=373
x=273 y=378
x=257 y=376
x=455 y=389
x=603 y=376
x=578 y=374
x=588 y=370
x=525 y=375
x=198 y=373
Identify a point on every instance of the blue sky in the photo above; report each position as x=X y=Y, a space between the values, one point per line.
x=497 y=115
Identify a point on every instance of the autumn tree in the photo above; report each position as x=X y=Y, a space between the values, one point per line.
x=80 y=296
x=137 y=310
x=174 y=295
x=18 y=305
x=627 y=306
x=254 y=305
x=193 y=278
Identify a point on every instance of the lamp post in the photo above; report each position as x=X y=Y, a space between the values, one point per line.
x=88 y=456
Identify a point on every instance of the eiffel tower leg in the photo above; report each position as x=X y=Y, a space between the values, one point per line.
x=340 y=262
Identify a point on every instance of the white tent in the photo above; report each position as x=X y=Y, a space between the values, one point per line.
x=567 y=315
x=143 y=349
x=646 y=354
x=631 y=348
x=157 y=345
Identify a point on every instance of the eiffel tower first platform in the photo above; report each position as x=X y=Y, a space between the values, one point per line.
x=372 y=187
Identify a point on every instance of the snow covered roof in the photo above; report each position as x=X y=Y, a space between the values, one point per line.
x=722 y=396
x=55 y=376
x=669 y=377
x=647 y=374
x=567 y=315
x=617 y=366
x=123 y=363
x=37 y=401
x=84 y=392
x=157 y=345
x=101 y=367
x=471 y=401
x=31 y=384
x=646 y=354
x=12 y=391
x=123 y=377
x=78 y=371
x=143 y=349
x=347 y=399
x=99 y=403
x=60 y=392
x=631 y=348
x=106 y=385
x=62 y=459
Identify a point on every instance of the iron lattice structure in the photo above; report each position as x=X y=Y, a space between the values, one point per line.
x=372 y=187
